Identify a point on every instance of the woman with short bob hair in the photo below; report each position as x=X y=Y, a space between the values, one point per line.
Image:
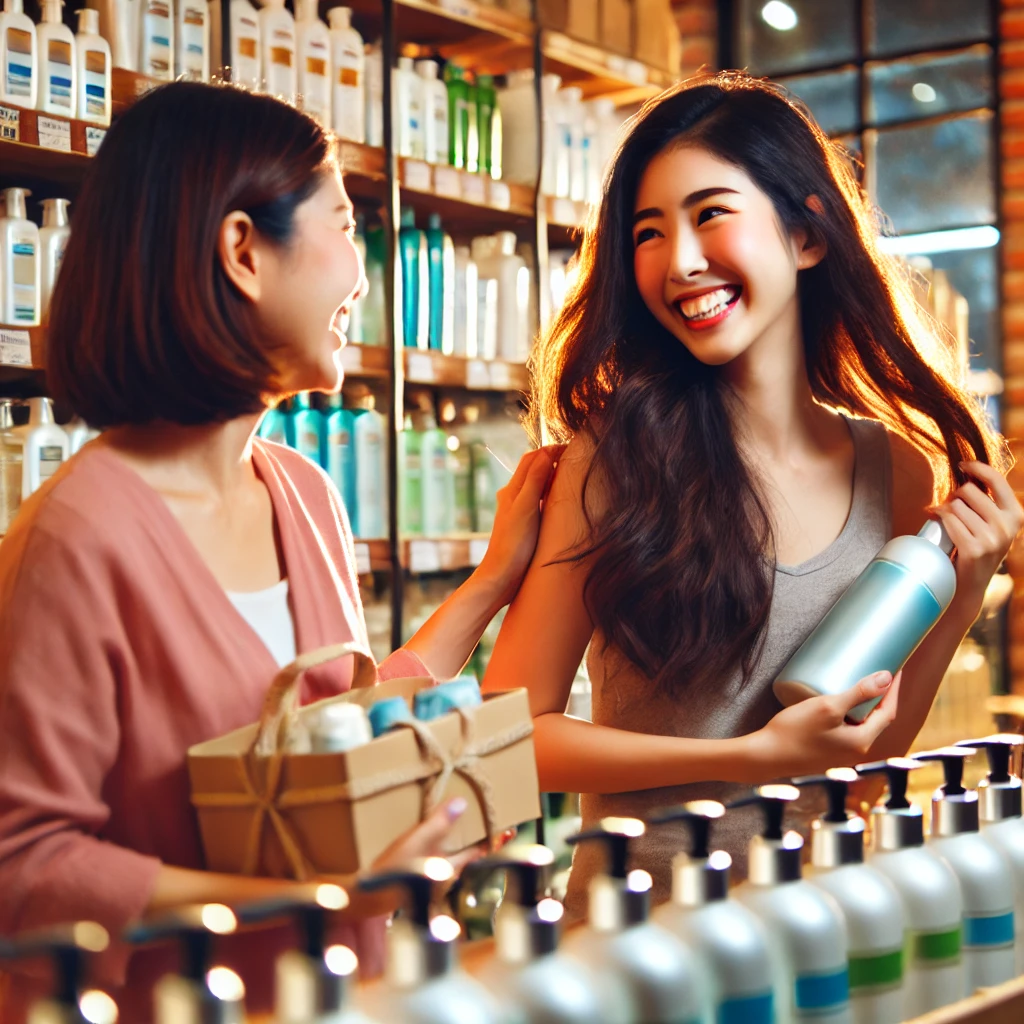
x=150 y=591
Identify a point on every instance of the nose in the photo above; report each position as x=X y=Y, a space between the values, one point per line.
x=688 y=259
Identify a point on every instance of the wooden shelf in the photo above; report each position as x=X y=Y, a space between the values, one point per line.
x=372 y=556
x=425 y=555
x=127 y=86
x=437 y=23
x=365 y=361
x=434 y=369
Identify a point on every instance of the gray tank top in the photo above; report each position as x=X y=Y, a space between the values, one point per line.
x=624 y=699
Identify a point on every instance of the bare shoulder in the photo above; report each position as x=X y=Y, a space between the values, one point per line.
x=913 y=485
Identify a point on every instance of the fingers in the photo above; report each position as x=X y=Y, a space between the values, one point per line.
x=461 y=860
x=535 y=486
x=883 y=715
x=998 y=485
x=867 y=688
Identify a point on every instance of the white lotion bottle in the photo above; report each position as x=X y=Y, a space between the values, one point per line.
x=120 y=26
x=45 y=446
x=19 y=56
x=348 y=60
x=871 y=906
x=728 y=937
x=10 y=467
x=156 y=40
x=53 y=242
x=806 y=924
x=19 y=263
x=464 y=342
x=409 y=96
x=369 y=440
x=278 y=50
x=513 y=300
x=652 y=972
x=244 y=67
x=435 y=113
x=313 y=46
x=92 y=57
x=999 y=806
x=984 y=875
x=934 y=968
x=192 y=51
x=57 y=73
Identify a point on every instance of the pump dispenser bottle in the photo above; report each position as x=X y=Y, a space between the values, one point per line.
x=278 y=50
x=200 y=994
x=313 y=46
x=422 y=981
x=19 y=262
x=871 y=906
x=56 y=91
x=528 y=975
x=45 y=446
x=878 y=622
x=659 y=974
x=999 y=810
x=984 y=875
x=312 y=982
x=728 y=937
x=932 y=904
x=93 y=69
x=69 y=948
x=805 y=922
x=53 y=242
x=19 y=56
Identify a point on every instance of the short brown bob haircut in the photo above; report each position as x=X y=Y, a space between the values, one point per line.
x=144 y=324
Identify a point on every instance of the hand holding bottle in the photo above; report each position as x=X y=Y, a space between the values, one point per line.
x=814 y=735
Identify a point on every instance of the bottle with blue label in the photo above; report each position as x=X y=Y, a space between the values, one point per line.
x=729 y=937
x=19 y=56
x=308 y=428
x=20 y=268
x=878 y=622
x=805 y=923
x=986 y=881
x=339 y=452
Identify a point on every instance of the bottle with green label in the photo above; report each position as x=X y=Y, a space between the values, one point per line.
x=460 y=469
x=436 y=488
x=410 y=467
x=458 y=114
x=373 y=301
x=486 y=109
x=308 y=426
x=339 y=452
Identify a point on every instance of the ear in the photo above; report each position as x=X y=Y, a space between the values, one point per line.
x=236 y=247
x=811 y=247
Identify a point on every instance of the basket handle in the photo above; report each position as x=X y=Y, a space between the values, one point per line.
x=281 y=702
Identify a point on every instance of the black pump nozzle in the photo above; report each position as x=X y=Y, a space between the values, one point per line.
x=310 y=915
x=896 y=771
x=772 y=800
x=999 y=748
x=616 y=834
x=952 y=761
x=418 y=886
x=69 y=948
x=528 y=872
x=195 y=928
x=836 y=782
x=697 y=815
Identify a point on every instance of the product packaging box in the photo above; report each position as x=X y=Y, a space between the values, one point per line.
x=617 y=26
x=303 y=815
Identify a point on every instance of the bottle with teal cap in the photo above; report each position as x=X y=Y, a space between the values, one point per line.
x=871 y=906
x=806 y=923
x=441 y=262
x=276 y=424
x=729 y=938
x=928 y=887
x=435 y=701
x=412 y=244
x=339 y=452
x=308 y=427
x=984 y=875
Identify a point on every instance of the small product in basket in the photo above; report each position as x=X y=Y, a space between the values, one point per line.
x=463 y=692
x=334 y=728
x=387 y=713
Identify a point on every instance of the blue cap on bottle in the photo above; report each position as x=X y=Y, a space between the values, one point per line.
x=463 y=692
x=386 y=713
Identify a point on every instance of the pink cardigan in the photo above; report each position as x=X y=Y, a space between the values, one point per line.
x=118 y=651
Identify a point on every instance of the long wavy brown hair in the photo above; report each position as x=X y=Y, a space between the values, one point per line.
x=680 y=555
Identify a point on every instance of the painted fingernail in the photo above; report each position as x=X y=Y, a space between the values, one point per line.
x=456 y=808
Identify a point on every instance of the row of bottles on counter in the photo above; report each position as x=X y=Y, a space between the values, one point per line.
x=858 y=937
x=349 y=444
x=30 y=454
x=471 y=301
x=49 y=68
x=30 y=257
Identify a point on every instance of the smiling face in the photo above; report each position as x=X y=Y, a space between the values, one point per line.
x=712 y=261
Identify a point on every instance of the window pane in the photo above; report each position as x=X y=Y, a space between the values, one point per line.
x=935 y=176
x=901 y=26
x=832 y=98
x=908 y=90
x=824 y=33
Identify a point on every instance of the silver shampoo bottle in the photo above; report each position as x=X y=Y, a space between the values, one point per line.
x=729 y=938
x=199 y=993
x=311 y=982
x=871 y=906
x=999 y=811
x=660 y=974
x=928 y=887
x=528 y=974
x=984 y=875
x=422 y=980
x=69 y=948
x=806 y=924
x=878 y=622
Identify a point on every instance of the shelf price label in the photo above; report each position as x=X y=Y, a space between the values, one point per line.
x=363 y=559
x=10 y=124
x=424 y=556
x=447 y=183
x=15 y=348
x=352 y=358
x=474 y=189
x=416 y=175
x=478 y=378
x=500 y=195
x=420 y=368
x=93 y=138
x=501 y=376
x=54 y=133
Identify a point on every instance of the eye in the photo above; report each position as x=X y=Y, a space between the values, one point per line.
x=709 y=213
x=645 y=234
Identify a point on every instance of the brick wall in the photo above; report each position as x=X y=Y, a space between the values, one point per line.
x=1011 y=92
x=698 y=27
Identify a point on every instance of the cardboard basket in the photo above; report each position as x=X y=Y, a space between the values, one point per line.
x=263 y=811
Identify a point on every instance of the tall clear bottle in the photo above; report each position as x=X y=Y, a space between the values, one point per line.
x=192 y=53
x=10 y=467
x=93 y=70
x=53 y=242
x=57 y=77
x=313 y=45
x=277 y=44
x=349 y=79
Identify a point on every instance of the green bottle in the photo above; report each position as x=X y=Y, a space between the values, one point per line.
x=415 y=282
x=308 y=425
x=410 y=443
x=458 y=114
x=441 y=257
x=460 y=463
x=339 y=457
x=373 y=301
x=486 y=104
x=472 y=130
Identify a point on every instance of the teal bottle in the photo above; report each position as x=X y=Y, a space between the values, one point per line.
x=339 y=452
x=276 y=424
x=308 y=424
x=373 y=301
x=441 y=262
x=415 y=282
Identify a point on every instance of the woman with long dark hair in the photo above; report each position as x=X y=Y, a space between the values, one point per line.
x=755 y=405
x=150 y=591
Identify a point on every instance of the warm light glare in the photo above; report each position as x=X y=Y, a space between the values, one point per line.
x=331 y=897
x=719 y=860
x=639 y=881
x=225 y=984
x=923 y=92
x=779 y=16
x=778 y=792
x=550 y=911
x=97 y=1007
x=632 y=827
x=941 y=241
x=538 y=855
x=444 y=928
x=340 y=960
x=91 y=936
x=706 y=808
x=219 y=919
x=453 y=443
x=792 y=841
x=841 y=775
x=437 y=869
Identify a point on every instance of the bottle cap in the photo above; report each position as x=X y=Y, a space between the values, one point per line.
x=55 y=212
x=6 y=414
x=999 y=795
x=405 y=64
x=426 y=69
x=434 y=222
x=340 y=17
x=439 y=700
x=337 y=727
x=698 y=876
x=954 y=808
x=14 y=198
x=51 y=12
x=897 y=824
x=88 y=22
x=837 y=837
x=935 y=533
x=774 y=855
x=386 y=713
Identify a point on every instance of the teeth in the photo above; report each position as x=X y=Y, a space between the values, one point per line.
x=705 y=306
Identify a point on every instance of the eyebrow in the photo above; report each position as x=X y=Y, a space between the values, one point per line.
x=688 y=203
